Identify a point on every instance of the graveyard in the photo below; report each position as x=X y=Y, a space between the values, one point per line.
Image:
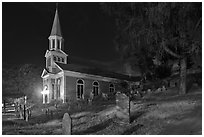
x=120 y=68
x=155 y=113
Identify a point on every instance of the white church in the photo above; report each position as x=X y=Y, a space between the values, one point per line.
x=65 y=82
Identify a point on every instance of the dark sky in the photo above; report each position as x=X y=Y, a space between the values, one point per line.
x=88 y=32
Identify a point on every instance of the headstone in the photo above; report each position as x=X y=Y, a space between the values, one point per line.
x=158 y=90
x=149 y=91
x=21 y=111
x=123 y=107
x=66 y=124
x=27 y=115
x=164 y=88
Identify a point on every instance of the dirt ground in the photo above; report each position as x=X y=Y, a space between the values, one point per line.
x=164 y=114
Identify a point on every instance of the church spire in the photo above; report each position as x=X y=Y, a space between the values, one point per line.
x=56 y=29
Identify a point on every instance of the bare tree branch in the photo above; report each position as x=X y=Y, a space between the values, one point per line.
x=169 y=51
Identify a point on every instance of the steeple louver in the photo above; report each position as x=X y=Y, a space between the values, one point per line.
x=56 y=29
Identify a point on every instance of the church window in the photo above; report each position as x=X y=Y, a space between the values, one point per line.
x=53 y=43
x=58 y=44
x=46 y=98
x=95 y=88
x=80 y=88
x=58 y=88
x=63 y=60
x=58 y=59
x=53 y=93
x=111 y=88
x=54 y=58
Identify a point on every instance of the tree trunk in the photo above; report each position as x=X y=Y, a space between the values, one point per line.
x=182 y=76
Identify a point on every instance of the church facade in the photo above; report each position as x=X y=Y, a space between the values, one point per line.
x=71 y=82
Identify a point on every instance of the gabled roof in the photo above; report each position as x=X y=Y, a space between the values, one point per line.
x=56 y=29
x=44 y=73
x=47 y=72
x=96 y=71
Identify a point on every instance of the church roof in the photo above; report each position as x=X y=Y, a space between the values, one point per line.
x=56 y=29
x=96 y=71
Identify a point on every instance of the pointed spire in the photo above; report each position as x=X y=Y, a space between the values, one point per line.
x=56 y=30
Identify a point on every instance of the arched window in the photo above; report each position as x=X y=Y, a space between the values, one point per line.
x=80 y=88
x=95 y=88
x=111 y=88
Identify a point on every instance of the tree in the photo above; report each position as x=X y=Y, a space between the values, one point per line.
x=18 y=81
x=30 y=82
x=149 y=31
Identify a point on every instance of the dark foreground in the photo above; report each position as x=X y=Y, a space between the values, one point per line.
x=161 y=113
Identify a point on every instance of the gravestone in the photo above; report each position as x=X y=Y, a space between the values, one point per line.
x=123 y=107
x=66 y=124
x=27 y=115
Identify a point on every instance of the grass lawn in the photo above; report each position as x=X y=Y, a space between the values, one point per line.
x=161 y=113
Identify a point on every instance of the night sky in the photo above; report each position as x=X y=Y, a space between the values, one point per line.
x=87 y=30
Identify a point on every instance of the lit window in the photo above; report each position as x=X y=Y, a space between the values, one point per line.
x=95 y=88
x=111 y=88
x=80 y=89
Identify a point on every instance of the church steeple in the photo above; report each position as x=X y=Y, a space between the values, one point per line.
x=56 y=29
x=56 y=40
x=55 y=52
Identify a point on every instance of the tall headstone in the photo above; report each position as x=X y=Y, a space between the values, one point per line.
x=27 y=114
x=123 y=107
x=66 y=124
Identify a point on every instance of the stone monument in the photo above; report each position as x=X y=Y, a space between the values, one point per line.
x=123 y=107
x=66 y=124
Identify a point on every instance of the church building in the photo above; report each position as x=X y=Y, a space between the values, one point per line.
x=65 y=81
